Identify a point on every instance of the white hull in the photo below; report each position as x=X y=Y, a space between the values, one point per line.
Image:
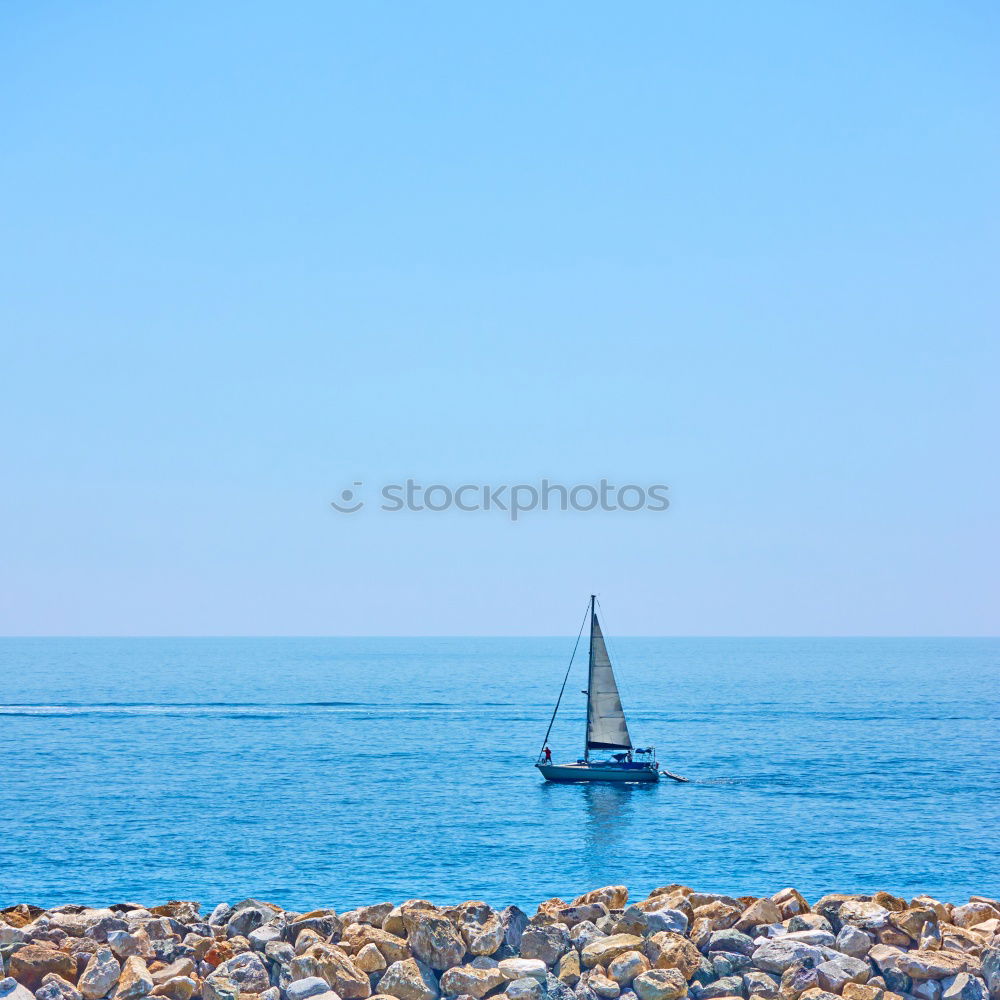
x=598 y=772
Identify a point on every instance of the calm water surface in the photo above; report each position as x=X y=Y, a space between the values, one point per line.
x=347 y=771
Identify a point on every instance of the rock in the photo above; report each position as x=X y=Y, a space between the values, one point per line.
x=29 y=965
x=433 y=939
x=603 y=986
x=265 y=934
x=248 y=915
x=369 y=959
x=809 y=922
x=779 y=954
x=127 y=943
x=930 y=937
x=514 y=922
x=603 y=950
x=790 y=903
x=248 y=971
x=760 y=984
x=521 y=968
x=100 y=975
x=573 y=915
x=719 y=914
x=584 y=933
x=471 y=980
x=927 y=989
x=911 y=920
x=796 y=979
x=853 y=941
x=865 y=991
x=627 y=966
x=963 y=987
x=219 y=988
x=409 y=979
x=829 y=906
x=614 y=897
x=763 y=911
x=973 y=913
x=817 y=994
x=220 y=915
x=556 y=989
x=181 y=967
x=393 y=948
x=56 y=988
x=547 y=944
x=525 y=989
x=835 y=973
x=868 y=916
x=814 y=936
x=303 y=989
x=941 y=964
x=728 y=963
x=481 y=928
x=569 y=967
x=273 y=993
x=660 y=984
x=667 y=950
x=731 y=939
x=135 y=981
x=178 y=988
x=11 y=989
x=333 y=965
x=991 y=971
x=182 y=910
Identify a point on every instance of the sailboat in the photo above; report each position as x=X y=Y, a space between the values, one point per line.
x=607 y=729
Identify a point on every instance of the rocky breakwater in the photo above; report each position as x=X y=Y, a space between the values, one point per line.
x=676 y=943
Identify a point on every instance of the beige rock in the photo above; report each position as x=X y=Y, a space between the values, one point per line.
x=471 y=981
x=836 y=973
x=479 y=925
x=973 y=913
x=370 y=959
x=547 y=943
x=573 y=915
x=135 y=981
x=815 y=993
x=182 y=910
x=393 y=922
x=868 y=915
x=720 y=915
x=796 y=979
x=614 y=897
x=911 y=920
x=54 y=987
x=523 y=968
x=373 y=915
x=569 y=968
x=393 y=948
x=409 y=980
x=30 y=964
x=433 y=938
x=660 y=984
x=943 y=910
x=892 y=903
x=601 y=951
x=861 y=991
x=667 y=950
x=790 y=903
x=219 y=988
x=180 y=967
x=919 y=964
x=627 y=966
x=178 y=988
x=890 y=935
x=100 y=975
x=762 y=911
x=333 y=964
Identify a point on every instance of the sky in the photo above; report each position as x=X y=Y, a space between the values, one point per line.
x=256 y=253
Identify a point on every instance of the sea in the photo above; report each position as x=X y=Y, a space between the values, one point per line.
x=343 y=771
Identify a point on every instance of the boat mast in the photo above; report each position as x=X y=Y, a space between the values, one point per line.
x=590 y=684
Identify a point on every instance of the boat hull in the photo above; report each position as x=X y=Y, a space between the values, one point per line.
x=574 y=773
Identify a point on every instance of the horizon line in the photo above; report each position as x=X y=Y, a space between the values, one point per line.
x=483 y=635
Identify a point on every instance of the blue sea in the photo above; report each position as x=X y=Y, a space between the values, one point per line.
x=345 y=771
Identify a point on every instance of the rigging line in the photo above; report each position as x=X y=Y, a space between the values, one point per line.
x=566 y=678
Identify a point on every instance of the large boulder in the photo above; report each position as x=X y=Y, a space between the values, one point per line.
x=521 y=968
x=614 y=897
x=434 y=939
x=868 y=915
x=660 y=984
x=853 y=941
x=963 y=987
x=779 y=954
x=971 y=914
x=514 y=922
x=471 y=980
x=627 y=966
x=600 y=951
x=135 y=981
x=11 y=989
x=410 y=979
x=480 y=926
x=991 y=971
x=761 y=911
x=335 y=966
x=667 y=950
x=732 y=940
x=56 y=988
x=357 y=936
x=32 y=963
x=835 y=973
x=547 y=943
x=178 y=988
x=525 y=989
x=790 y=903
x=941 y=964
x=303 y=989
x=248 y=971
x=100 y=974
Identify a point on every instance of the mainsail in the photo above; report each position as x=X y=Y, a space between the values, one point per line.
x=606 y=726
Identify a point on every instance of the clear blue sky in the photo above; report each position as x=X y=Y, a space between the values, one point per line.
x=255 y=252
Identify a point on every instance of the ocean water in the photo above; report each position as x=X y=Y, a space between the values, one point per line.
x=346 y=771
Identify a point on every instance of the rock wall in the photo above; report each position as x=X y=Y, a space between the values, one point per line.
x=675 y=943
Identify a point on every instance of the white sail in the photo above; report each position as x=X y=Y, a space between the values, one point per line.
x=606 y=726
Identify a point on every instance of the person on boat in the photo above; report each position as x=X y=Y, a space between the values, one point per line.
x=548 y=755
